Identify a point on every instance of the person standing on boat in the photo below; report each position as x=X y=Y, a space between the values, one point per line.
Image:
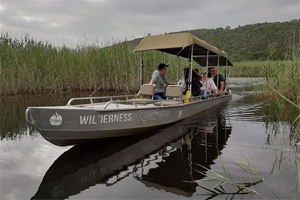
x=159 y=81
x=218 y=79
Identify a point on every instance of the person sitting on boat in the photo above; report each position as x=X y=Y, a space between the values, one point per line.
x=218 y=79
x=159 y=81
x=196 y=84
x=181 y=81
x=208 y=85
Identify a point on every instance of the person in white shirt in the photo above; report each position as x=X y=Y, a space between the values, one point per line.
x=181 y=81
x=208 y=84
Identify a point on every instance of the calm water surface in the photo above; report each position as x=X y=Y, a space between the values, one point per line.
x=155 y=165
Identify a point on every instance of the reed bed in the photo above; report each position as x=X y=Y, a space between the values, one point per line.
x=282 y=78
x=30 y=66
x=252 y=68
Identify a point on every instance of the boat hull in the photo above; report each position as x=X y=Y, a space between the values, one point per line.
x=72 y=125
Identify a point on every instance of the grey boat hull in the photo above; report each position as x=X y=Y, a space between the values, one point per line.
x=67 y=125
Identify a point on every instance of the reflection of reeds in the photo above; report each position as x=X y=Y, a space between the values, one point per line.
x=12 y=115
x=294 y=127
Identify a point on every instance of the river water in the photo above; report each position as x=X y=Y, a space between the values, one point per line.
x=161 y=164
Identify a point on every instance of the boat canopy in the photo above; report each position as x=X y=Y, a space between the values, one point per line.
x=182 y=44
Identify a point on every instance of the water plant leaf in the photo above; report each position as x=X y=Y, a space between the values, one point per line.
x=282 y=96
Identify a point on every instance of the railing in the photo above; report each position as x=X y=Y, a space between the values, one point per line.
x=131 y=96
x=94 y=98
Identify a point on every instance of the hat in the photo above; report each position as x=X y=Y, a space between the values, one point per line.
x=161 y=66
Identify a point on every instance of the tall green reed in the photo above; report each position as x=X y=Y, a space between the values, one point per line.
x=29 y=66
x=282 y=78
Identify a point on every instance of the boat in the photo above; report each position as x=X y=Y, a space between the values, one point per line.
x=114 y=116
x=160 y=159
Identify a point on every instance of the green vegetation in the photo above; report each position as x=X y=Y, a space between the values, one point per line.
x=262 y=41
x=283 y=78
x=29 y=66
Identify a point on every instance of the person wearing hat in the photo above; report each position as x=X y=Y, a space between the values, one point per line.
x=159 y=81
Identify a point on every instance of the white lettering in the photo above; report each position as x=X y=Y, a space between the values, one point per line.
x=129 y=116
x=116 y=117
x=108 y=118
x=125 y=117
x=84 y=119
x=94 y=122
x=105 y=118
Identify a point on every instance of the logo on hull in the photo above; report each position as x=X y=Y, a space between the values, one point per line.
x=56 y=119
x=154 y=115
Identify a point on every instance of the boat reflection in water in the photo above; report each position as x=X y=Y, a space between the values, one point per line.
x=175 y=151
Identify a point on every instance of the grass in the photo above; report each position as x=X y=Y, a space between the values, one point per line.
x=28 y=66
x=283 y=81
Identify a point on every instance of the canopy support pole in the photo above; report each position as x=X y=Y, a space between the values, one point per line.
x=178 y=66
x=218 y=67
x=207 y=56
x=142 y=70
x=226 y=72
x=191 y=68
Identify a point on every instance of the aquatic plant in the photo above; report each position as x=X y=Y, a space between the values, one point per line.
x=293 y=130
x=282 y=80
x=227 y=179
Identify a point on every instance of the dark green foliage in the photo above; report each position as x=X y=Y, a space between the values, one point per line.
x=262 y=41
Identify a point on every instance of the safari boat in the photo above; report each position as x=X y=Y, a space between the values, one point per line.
x=113 y=116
